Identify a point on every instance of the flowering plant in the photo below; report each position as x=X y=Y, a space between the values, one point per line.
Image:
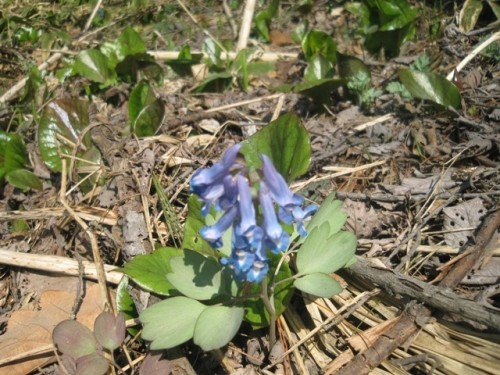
x=245 y=232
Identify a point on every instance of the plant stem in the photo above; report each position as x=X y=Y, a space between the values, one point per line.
x=269 y=304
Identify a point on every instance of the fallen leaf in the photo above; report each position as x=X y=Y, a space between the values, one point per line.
x=29 y=330
x=460 y=219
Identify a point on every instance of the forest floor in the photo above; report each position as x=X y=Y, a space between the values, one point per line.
x=420 y=184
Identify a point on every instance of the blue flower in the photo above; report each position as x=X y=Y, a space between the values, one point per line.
x=213 y=233
x=258 y=271
x=277 y=185
x=227 y=187
x=247 y=227
x=276 y=237
x=208 y=183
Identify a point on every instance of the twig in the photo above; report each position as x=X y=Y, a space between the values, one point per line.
x=99 y=266
x=493 y=38
x=38 y=351
x=345 y=171
x=102 y=216
x=57 y=264
x=246 y=24
x=227 y=10
x=92 y=15
x=265 y=56
x=342 y=313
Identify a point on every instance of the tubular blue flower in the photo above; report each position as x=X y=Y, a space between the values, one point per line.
x=299 y=215
x=213 y=233
x=277 y=185
x=247 y=227
x=204 y=179
x=230 y=196
x=276 y=238
x=258 y=271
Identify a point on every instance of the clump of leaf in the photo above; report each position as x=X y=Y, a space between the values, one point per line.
x=264 y=17
x=358 y=79
x=125 y=58
x=13 y=160
x=384 y=24
x=83 y=349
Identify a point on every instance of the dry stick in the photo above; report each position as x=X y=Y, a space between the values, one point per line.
x=95 y=214
x=92 y=15
x=246 y=24
x=473 y=257
x=101 y=278
x=230 y=19
x=358 y=301
x=265 y=56
x=38 y=351
x=406 y=288
x=413 y=318
x=57 y=264
x=473 y=54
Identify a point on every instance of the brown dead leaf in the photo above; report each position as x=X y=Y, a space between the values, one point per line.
x=29 y=330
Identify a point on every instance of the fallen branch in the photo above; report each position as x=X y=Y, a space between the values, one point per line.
x=57 y=264
x=414 y=317
x=406 y=288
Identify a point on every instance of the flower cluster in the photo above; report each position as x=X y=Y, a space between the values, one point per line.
x=227 y=187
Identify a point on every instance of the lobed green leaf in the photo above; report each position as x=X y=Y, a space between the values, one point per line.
x=170 y=322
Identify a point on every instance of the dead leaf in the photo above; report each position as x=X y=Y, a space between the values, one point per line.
x=465 y=215
x=30 y=330
x=362 y=220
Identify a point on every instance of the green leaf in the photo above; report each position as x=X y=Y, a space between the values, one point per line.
x=111 y=50
x=146 y=111
x=59 y=130
x=318 y=284
x=469 y=14
x=393 y=14
x=495 y=7
x=182 y=65
x=194 y=222
x=329 y=212
x=350 y=66
x=264 y=17
x=255 y=311
x=285 y=141
x=125 y=304
x=150 y=271
x=319 y=43
x=431 y=86
x=213 y=51
x=240 y=67
x=319 y=91
x=13 y=154
x=24 y=179
x=217 y=82
x=130 y=43
x=196 y=276
x=171 y=322
x=216 y=326
x=325 y=253
x=140 y=65
x=318 y=68
x=93 y=65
